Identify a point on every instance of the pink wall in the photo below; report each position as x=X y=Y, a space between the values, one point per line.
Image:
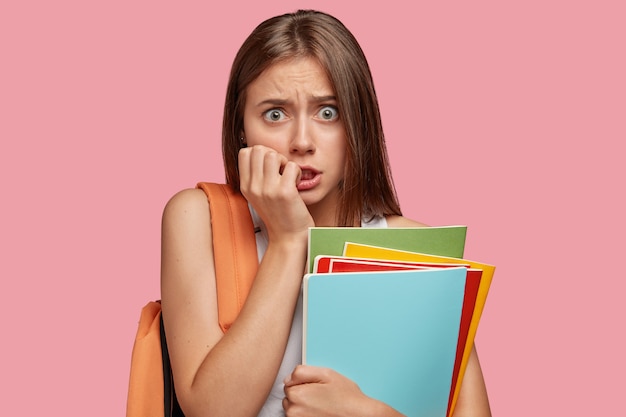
x=502 y=117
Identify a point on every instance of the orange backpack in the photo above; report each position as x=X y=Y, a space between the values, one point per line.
x=151 y=389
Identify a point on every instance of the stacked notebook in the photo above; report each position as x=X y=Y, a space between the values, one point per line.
x=396 y=310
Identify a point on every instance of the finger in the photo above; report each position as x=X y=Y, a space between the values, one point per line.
x=285 y=403
x=291 y=173
x=272 y=164
x=283 y=162
x=243 y=162
x=305 y=374
x=257 y=163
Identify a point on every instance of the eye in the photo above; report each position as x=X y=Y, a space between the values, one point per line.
x=274 y=115
x=328 y=113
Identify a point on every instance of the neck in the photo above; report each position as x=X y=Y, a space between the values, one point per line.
x=323 y=216
x=324 y=212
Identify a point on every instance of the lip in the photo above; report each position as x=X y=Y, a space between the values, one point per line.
x=309 y=179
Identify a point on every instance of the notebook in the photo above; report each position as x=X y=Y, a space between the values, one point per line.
x=394 y=333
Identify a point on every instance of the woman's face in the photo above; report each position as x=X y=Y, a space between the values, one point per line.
x=291 y=107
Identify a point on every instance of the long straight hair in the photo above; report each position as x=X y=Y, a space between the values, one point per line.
x=367 y=189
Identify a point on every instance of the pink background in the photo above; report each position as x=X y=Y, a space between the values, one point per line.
x=505 y=116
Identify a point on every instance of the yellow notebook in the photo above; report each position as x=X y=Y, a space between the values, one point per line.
x=356 y=250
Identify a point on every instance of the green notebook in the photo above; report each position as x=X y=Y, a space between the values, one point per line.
x=440 y=240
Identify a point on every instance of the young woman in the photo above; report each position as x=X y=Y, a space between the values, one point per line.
x=303 y=142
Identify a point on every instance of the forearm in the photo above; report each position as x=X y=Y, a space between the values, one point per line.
x=247 y=358
x=473 y=400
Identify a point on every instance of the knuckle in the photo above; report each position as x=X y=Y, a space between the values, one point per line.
x=294 y=394
x=271 y=156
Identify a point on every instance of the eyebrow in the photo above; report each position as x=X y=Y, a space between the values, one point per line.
x=282 y=102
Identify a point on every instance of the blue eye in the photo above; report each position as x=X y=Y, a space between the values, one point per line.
x=274 y=115
x=328 y=113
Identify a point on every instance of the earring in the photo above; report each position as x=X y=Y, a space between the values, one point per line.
x=243 y=141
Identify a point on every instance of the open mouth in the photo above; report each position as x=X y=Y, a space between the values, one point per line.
x=309 y=178
x=307 y=174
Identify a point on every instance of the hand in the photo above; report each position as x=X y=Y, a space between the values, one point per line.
x=268 y=181
x=322 y=392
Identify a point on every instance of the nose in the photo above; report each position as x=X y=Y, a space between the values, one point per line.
x=302 y=141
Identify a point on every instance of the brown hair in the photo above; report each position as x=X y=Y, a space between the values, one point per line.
x=367 y=189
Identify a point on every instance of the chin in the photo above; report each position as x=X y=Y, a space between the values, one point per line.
x=309 y=200
x=319 y=197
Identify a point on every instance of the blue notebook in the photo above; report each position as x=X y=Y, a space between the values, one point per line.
x=394 y=333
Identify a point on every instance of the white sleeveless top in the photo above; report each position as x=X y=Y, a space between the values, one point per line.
x=273 y=406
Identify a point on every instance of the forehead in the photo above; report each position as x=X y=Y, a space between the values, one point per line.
x=294 y=76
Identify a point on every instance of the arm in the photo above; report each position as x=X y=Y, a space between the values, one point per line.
x=211 y=370
x=473 y=400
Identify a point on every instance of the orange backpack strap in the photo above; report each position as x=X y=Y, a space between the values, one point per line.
x=145 y=389
x=234 y=249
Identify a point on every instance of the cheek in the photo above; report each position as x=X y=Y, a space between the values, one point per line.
x=257 y=133
x=273 y=140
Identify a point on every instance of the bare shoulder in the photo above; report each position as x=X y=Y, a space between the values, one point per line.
x=186 y=224
x=186 y=254
x=400 y=221
x=185 y=203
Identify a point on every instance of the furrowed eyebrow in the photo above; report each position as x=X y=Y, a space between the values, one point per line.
x=320 y=99
x=273 y=102
x=282 y=102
